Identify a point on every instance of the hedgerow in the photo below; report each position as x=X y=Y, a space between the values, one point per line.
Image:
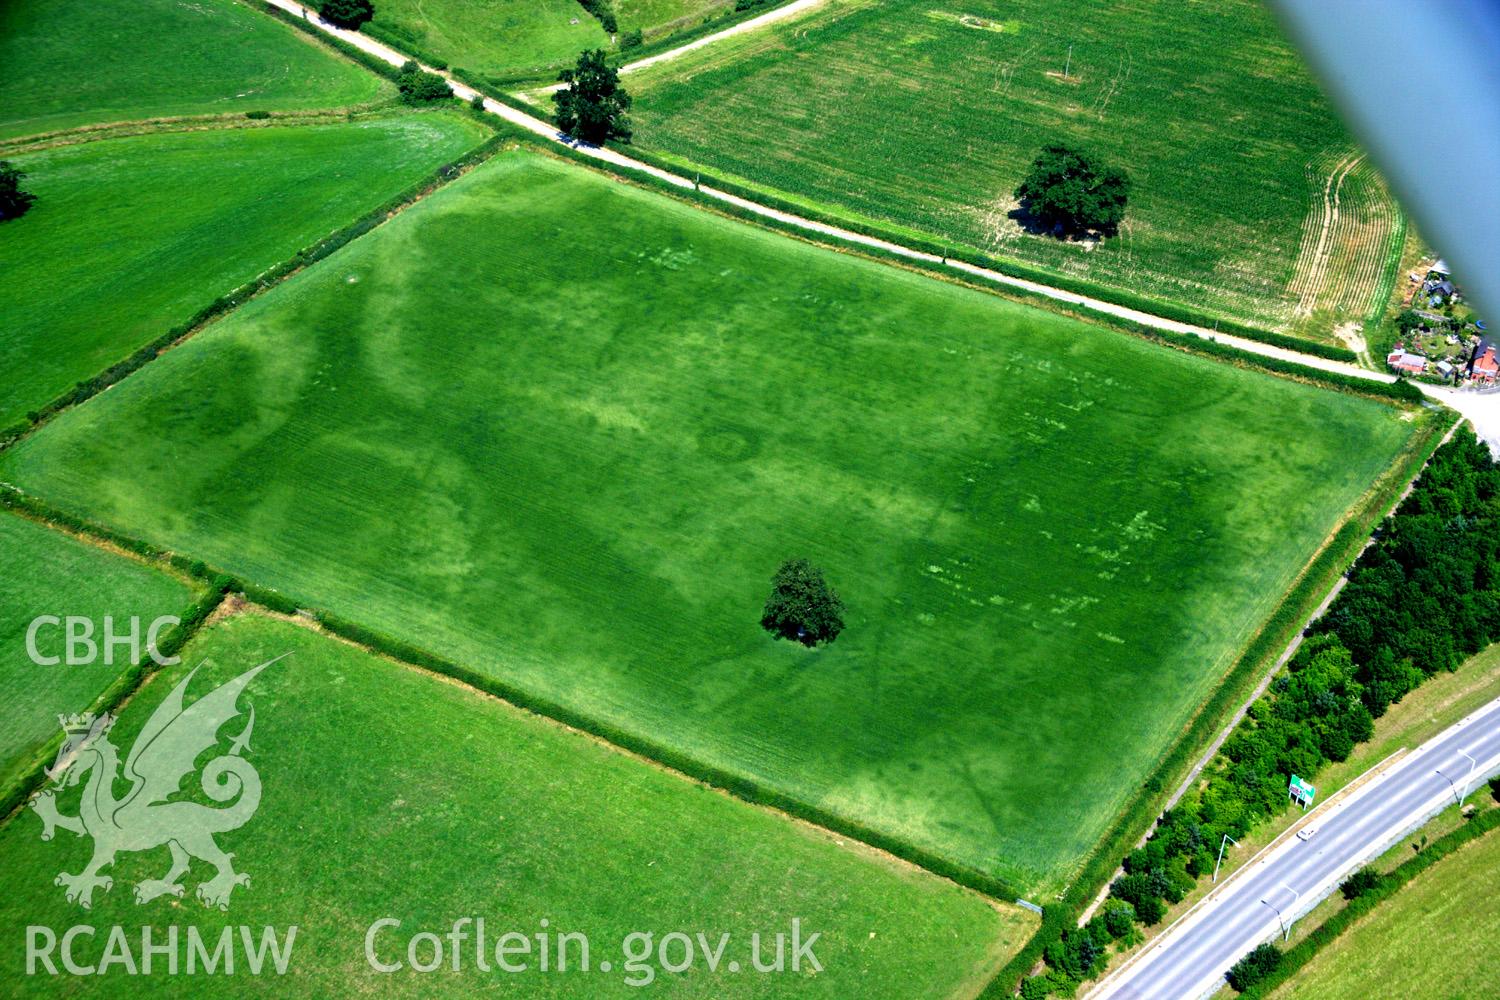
x=1437 y=560
x=90 y=387
x=1388 y=885
x=33 y=774
x=378 y=66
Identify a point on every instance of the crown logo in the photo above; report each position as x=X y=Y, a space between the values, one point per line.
x=82 y=723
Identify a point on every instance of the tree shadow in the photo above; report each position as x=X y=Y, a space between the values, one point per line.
x=1023 y=217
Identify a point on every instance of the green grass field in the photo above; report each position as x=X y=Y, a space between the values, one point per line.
x=129 y=237
x=390 y=794
x=924 y=118
x=1433 y=939
x=656 y=18
x=572 y=454
x=496 y=38
x=44 y=572
x=78 y=62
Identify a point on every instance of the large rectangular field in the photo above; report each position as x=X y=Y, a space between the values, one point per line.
x=79 y=62
x=80 y=580
x=130 y=237
x=924 y=117
x=390 y=794
x=563 y=431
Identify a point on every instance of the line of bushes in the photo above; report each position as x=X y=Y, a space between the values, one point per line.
x=310 y=254
x=492 y=87
x=1013 y=268
x=1420 y=599
x=745 y=788
x=1370 y=894
x=399 y=39
x=1401 y=389
x=33 y=773
x=604 y=12
x=1285 y=622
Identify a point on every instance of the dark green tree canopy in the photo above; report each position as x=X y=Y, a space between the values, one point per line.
x=346 y=13
x=13 y=201
x=417 y=86
x=592 y=106
x=1254 y=967
x=1069 y=191
x=802 y=606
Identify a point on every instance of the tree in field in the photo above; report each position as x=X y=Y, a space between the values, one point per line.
x=802 y=606
x=13 y=201
x=592 y=106
x=346 y=13
x=1069 y=191
x=417 y=86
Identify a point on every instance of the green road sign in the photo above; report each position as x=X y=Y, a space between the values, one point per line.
x=1301 y=790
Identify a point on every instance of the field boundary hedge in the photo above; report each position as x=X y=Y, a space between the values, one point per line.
x=1164 y=308
x=375 y=65
x=31 y=774
x=1260 y=655
x=1400 y=390
x=1304 y=951
x=539 y=76
x=387 y=35
x=742 y=787
x=23 y=145
x=272 y=276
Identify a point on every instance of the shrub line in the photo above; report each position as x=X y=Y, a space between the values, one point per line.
x=33 y=773
x=312 y=253
x=742 y=787
x=377 y=66
x=1275 y=634
x=1400 y=390
x=23 y=145
x=1296 y=957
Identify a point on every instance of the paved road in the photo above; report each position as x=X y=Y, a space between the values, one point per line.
x=1482 y=410
x=1189 y=960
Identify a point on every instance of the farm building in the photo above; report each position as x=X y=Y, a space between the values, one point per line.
x=1404 y=361
x=1483 y=364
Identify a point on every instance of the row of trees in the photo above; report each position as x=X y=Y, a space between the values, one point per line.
x=1420 y=600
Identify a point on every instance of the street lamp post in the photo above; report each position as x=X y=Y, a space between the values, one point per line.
x=1460 y=792
x=1286 y=929
x=1227 y=839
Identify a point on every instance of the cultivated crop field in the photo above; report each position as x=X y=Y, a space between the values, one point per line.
x=81 y=580
x=130 y=237
x=77 y=62
x=496 y=38
x=924 y=116
x=570 y=454
x=388 y=793
x=1433 y=938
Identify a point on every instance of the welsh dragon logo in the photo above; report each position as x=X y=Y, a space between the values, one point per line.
x=143 y=819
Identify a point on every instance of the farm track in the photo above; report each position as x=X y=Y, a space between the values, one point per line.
x=1345 y=256
x=620 y=161
x=1326 y=239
